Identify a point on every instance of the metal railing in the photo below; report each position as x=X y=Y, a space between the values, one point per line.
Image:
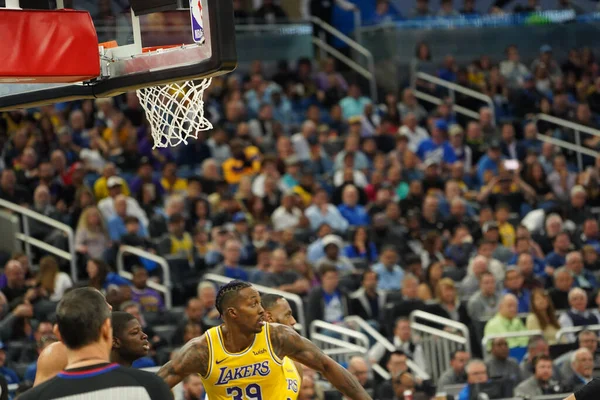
x=507 y=335
x=453 y=88
x=165 y=288
x=577 y=130
x=438 y=344
x=358 y=323
x=294 y=298
x=335 y=340
x=354 y=46
x=29 y=241
x=575 y=329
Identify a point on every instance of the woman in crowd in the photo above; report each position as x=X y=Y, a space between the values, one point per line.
x=542 y=316
x=361 y=247
x=52 y=280
x=91 y=236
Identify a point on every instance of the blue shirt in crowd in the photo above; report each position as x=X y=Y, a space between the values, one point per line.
x=389 y=279
x=356 y=216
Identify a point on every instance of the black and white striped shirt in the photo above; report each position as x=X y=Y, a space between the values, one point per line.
x=101 y=382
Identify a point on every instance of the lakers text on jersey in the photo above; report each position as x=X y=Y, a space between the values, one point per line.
x=255 y=373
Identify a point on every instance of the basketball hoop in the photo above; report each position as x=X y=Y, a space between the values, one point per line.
x=175 y=111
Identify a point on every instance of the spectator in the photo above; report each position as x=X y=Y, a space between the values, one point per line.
x=513 y=284
x=582 y=363
x=177 y=242
x=321 y=211
x=507 y=321
x=207 y=296
x=561 y=180
x=412 y=131
x=149 y=300
x=244 y=161
x=281 y=277
x=354 y=213
x=403 y=342
x=525 y=265
x=536 y=347
x=101 y=189
x=542 y=316
x=327 y=302
x=368 y=302
x=447 y=10
x=9 y=374
x=10 y=190
x=548 y=61
x=332 y=247
x=581 y=278
x=472 y=282
x=559 y=293
x=170 y=181
x=500 y=365
x=361 y=247
x=231 y=258
x=483 y=305
x=270 y=13
x=51 y=280
x=437 y=149
x=476 y=373
x=144 y=181
x=456 y=374
x=107 y=205
x=390 y=274
x=193 y=388
x=358 y=367
x=101 y=278
x=354 y=103
x=512 y=69
x=288 y=214
x=490 y=161
x=577 y=210
x=193 y=316
x=577 y=315
x=541 y=383
x=448 y=304
x=561 y=246
x=91 y=235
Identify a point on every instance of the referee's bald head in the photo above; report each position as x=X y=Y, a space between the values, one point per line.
x=84 y=317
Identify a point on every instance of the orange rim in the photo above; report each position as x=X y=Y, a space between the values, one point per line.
x=109 y=45
x=155 y=48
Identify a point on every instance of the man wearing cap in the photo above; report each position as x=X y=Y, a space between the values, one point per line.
x=107 y=206
x=101 y=184
x=548 y=61
x=332 y=247
x=437 y=147
x=490 y=161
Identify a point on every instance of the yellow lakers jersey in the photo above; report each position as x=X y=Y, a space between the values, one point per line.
x=292 y=379
x=255 y=373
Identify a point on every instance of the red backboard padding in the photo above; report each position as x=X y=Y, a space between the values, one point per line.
x=47 y=46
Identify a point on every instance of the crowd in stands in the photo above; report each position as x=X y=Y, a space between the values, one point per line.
x=304 y=185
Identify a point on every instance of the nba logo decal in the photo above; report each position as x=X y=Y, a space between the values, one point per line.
x=196 y=15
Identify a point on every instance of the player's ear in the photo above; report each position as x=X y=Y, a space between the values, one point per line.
x=106 y=330
x=56 y=332
x=116 y=343
x=232 y=312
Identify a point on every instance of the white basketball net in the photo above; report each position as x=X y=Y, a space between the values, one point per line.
x=175 y=111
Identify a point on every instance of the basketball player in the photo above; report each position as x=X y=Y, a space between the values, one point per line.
x=278 y=310
x=129 y=344
x=243 y=357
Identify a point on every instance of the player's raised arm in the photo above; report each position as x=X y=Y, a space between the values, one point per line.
x=192 y=358
x=287 y=342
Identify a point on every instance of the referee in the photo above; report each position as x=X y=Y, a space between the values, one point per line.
x=591 y=391
x=84 y=323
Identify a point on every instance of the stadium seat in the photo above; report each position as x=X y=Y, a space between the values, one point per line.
x=166 y=332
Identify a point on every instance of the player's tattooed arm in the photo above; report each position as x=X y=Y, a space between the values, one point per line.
x=287 y=342
x=192 y=358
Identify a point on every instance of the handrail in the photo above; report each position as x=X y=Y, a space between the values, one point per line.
x=389 y=346
x=574 y=329
x=28 y=240
x=577 y=128
x=507 y=335
x=165 y=288
x=342 y=330
x=458 y=88
x=443 y=334
x=343 y=58
x=340 y=343
x=355 y=46
x=264 y=289
x=441 y=321
x=437 y=101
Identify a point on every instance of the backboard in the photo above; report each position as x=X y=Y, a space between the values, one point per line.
x=193 y=43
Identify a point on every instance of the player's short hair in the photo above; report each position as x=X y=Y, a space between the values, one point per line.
x=80 y=315
x=269 y=300
x=120 y=319
x=227 y=292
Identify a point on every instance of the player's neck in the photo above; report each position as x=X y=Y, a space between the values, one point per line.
x=115 y=357
x=88 y=355
x=234 y=339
